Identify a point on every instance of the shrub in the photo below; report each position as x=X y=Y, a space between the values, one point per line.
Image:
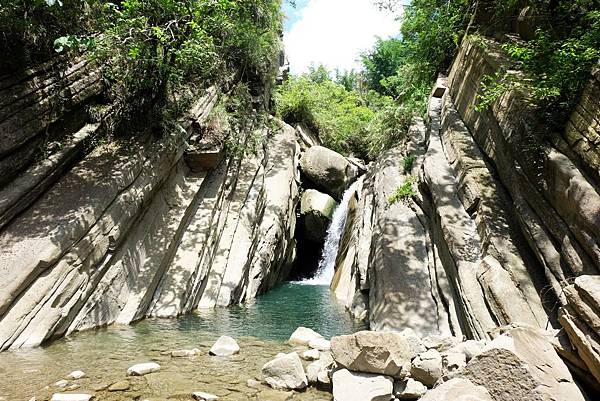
x=408 y=162
x=404 y=192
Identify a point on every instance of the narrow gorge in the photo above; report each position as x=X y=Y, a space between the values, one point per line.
x=208 y=260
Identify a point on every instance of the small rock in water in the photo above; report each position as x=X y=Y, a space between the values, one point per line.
x=121 y=385
x=62 y=383
x=225 y=346
x=202 y=396
x=253 y=383
x=182 y=353
x=76 y=374
x=311 y=355
x=320 y=344
x=303 y=336
x=71 y=397
x=141 y=369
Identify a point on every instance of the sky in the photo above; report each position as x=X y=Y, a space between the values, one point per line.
x=333 y=32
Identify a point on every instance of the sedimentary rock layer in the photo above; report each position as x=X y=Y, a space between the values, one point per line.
x=130 y=231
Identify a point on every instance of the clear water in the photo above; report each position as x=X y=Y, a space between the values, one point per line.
x=261 y=329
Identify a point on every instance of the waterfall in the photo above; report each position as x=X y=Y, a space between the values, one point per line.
x=326 y=268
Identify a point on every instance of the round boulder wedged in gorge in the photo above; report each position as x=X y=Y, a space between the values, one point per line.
x=316 y=211
x=328 y=170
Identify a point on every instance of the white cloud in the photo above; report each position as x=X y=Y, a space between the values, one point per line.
x=335 y=32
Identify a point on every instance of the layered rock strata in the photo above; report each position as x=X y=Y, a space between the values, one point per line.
x=130 y=231
x=498 y=221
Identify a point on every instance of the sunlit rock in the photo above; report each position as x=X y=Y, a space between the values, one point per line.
x=409 y=389
x=352 y=386
x=285 y=373
x=311 y=355
x=303 y=336
x=76 y=374
x=141 y=369
x=427 y=367
x=374 y=352
x=457 y=389
x=320 y=344
x=225 y=346
x=202 y=396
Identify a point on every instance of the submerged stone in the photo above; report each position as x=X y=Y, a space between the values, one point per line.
x=202 y=396
x=70 y=397
x=141 y=369
x=121 y=385
x=76 y=374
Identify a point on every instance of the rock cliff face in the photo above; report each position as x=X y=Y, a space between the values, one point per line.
x=503 y=220
x=129 y=230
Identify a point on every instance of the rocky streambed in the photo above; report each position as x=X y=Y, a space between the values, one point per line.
x=181 y=348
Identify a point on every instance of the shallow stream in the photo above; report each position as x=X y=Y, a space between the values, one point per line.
x=261 y=329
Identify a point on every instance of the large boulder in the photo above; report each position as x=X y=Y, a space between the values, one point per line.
x=352 y=386
x=374 y=352
x=316 y=210
x=523 y=364
x=458 y=390
x=285 y=372
x=328 y=170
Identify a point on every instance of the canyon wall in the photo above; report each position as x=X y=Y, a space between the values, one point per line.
x=100 y=232
x=503 y=225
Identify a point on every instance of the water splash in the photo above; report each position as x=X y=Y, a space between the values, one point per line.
x=326 y=268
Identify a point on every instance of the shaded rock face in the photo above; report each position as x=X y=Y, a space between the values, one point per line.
x=129 y=232
x=316 y=210
x=328 y=170
x=521 y=364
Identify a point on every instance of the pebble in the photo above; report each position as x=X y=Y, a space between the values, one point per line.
x=76 y=374
x=70 y=397
x=121 y=385
x=141 y=369
x=62 y=383
x=202 y=396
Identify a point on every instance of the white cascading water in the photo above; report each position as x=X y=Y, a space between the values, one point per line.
x=326 y=268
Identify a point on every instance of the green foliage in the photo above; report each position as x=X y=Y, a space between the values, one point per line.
x=154 y=47
x=404 y=192
x=557 y=62
x=340 y=117
x=382 y=62
x=408 y=162
x=30 y=27
x=152 y=51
